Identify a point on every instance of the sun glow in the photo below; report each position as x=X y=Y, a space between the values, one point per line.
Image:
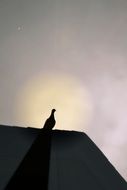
x=64 y=93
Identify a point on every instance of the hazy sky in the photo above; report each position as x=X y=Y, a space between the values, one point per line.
x=82 y=39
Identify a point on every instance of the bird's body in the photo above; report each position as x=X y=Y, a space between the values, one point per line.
x=50 y=122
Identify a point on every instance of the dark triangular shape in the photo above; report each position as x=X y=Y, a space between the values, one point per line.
x=75 y=162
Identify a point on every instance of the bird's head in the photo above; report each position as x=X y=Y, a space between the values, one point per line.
x=53 y=110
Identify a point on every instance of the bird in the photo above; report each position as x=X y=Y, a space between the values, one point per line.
x=50 y=122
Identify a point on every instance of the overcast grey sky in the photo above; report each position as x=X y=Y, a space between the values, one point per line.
x=85 y=39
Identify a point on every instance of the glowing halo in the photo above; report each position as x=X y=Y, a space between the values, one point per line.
x=64 y=93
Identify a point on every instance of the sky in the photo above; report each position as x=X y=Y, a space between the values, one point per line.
x=69 y=55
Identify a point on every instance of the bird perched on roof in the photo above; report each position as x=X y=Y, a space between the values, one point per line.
x=50 y=122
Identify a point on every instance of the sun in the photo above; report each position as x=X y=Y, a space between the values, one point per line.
x=43 y=93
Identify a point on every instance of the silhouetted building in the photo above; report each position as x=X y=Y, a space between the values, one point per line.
x=54 y=160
